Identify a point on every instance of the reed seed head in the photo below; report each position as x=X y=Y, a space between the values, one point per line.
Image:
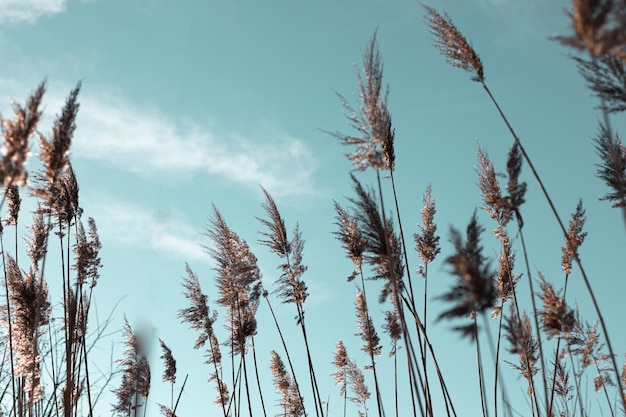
x=55 y=152
x=575 y=237
x=612 y=166
x=350 y=236
x=518 y=331
x=169 y=375
x=291 y=403
x=16 y=134
x=557 y=318
x=382 y=249
x=474 y=291
x=238 y=280
x=375 y=139
x=599 y=27
x=606 y=77
x=506 y=280
x=197 y=315
x=426 y=241
x=340 y=361
x=366 y=326
x=12 y=196
x=451 y=43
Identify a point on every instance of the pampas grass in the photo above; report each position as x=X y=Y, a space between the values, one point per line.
x=540 y=328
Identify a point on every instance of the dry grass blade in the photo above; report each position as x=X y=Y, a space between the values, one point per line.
x=451 y=43
x=606 y=77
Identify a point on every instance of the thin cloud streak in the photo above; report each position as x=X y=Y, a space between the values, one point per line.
x=134 y=227
x=151 y=144
x=29 y=11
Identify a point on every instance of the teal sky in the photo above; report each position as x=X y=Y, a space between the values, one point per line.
x=189 y=103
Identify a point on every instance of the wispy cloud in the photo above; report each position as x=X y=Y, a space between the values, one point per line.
x=155 y=144
x=124 y=224
x=29 y=10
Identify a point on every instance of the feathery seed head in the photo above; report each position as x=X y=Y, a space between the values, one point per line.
x=389 y=138
x=505 y=280
x=519 y=334
x=277 y=235
x=30 y=313
x=451 y=43
x=427 y=242
x=36 y=245
x=291 y=288
x=558 y=319
x=382 y=248
x=291 y=402
x=574 y=238
x=350 y=236
x=356 y=380
x=86 y=251
x=599 y=27
x=54 y=152
x=393 y=328
x=492 y=195
x=238 y=280
x=170 y=363
x=372 y=121
x=612 y=166
x=606 y=77
x=366 y=326
x=12 y=196
x=474 y=291
x=16 y=134
x=515 y=189
x=340 y=361
x=198 y=315
x=136 y=374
